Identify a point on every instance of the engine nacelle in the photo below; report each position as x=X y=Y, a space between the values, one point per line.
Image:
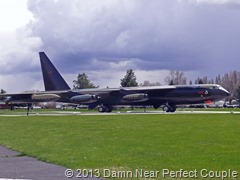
x=6 y=99
x=86 y=98
x=45 y=97
x=136 y=97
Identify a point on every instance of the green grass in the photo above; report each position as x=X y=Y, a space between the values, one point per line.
x=127 y=142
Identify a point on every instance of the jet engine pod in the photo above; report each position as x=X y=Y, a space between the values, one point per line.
x=86 y=98
x=45 y=97
x=136 y=97
x=6 y=99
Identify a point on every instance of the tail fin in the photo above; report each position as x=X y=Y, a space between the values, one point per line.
x=51 y=77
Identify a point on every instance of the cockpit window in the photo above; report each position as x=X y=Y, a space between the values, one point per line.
x=214 y=87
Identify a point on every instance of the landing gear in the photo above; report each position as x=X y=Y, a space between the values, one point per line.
x=168 y=108
x=28 y=108
x=155 y=106
x=103 y=108
x=173 y=108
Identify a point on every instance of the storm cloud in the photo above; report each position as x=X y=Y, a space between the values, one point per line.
x=200 y=36
x=166 y=34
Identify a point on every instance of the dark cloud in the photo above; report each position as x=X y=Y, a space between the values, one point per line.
x=166 y=34
x=200 y=36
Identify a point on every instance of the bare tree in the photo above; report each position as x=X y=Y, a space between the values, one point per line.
x=148 y=83
x=199 y=81
x=237 y=94
x=231 y=81
x=203 y=80
x=176 y=77
x=211 y=81
x=218 y=79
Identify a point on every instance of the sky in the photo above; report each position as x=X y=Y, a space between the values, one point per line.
x=105 y=38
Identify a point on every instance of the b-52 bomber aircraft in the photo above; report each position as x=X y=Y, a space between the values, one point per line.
x=56 y=89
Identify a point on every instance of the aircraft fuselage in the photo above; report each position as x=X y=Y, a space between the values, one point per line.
x=169 y=96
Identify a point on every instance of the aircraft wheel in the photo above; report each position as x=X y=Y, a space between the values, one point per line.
x=173 y=109
x=166 y=108
x=108 y=109
x=101 y=109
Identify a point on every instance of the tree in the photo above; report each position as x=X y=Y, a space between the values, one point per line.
x=211 y=81
x=148 y=83
x=176 y=77
x=230 y=81
x=171 y=83
x=203 y=80
x=199 y=81
x=3 y=91
x=82 y=82
x=237 y=95
x=218 y=79
x=129 y=79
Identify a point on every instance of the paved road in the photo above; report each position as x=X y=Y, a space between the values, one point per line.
x=78 y=113
x=14 y=166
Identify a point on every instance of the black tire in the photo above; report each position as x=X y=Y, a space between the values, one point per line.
x=166 y=108
x=173 y=108
x=108 y=109
x=101 y=109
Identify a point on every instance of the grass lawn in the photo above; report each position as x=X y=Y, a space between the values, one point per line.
x=128 y=142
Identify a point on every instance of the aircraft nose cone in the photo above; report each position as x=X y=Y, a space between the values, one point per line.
x=225 y=93
x=228 y=94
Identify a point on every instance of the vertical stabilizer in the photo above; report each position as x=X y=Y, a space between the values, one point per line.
x=51 y=77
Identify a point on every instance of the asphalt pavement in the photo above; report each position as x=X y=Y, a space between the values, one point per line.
x=14 y=166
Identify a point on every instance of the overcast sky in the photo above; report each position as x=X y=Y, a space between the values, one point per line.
x=105 y=38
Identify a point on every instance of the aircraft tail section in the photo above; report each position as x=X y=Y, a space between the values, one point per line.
x=51 y=77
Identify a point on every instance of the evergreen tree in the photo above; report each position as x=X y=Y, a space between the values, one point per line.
x=82 y=82
x=171 y=83
x=129 y=79
x=2 y=91
x=200 y=81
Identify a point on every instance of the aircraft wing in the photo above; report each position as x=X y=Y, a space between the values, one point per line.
x=29 y=97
